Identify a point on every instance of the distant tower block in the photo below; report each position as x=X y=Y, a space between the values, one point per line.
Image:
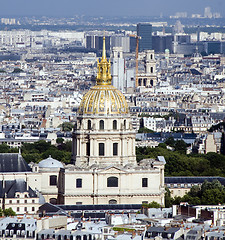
x=149 y=77
x=118 y=73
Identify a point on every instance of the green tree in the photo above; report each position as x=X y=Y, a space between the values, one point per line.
x=216 y=160
x=180 y=146
x=213 y=197
x=67 y=146
x=32 y=157
x=162 y=145
x=59 y=140
x=43 y=146
x=177 y=200
x=145 y=130
x=168 y=198
x=194 y=192
x=170 y=141
x=152 y=204
x=66 y=126
x=9 y=212
x=209 y=193
x=4 y=148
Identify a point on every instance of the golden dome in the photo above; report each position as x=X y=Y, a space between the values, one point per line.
x=103 y=98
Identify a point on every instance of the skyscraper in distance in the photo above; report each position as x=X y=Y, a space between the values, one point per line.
x=144 y=31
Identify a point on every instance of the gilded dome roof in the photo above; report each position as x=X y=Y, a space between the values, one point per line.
x=103 y=98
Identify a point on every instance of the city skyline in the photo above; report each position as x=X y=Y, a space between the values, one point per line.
x=100 y=7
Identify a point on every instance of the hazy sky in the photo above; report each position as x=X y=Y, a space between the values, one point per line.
x=107 y=7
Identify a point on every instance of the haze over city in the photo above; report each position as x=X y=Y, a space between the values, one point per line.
x=112 y=119
x=103 y=8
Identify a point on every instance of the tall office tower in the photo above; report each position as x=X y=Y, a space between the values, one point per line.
x=144 y=31
x=207 y=13
x=161 y=43
x=96 y=42
x=133 y=43
x=90 y=42
x=121 y=41
x=118 y=70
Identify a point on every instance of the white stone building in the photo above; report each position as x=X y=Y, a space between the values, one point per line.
x=105 y=170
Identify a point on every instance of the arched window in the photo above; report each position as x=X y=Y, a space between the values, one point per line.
x=124 y=123
x=145 y=81
x=112 y=201
x=78 y=183
x=112 y=182
x=53 y=180
x=101 y=149
x=151 y=56
x=101 y=125
x=89 y=125
x=139 y=82
x=151 y=69
x=115 y=149
x=114 y=124
x=53 y=200
x=88 y=148
x=151 y=82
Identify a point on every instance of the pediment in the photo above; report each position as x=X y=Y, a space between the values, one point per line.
x=113 y=169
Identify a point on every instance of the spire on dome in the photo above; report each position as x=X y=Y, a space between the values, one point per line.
x=104 y=69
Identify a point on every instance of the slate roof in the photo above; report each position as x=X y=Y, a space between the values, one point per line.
x=11 y=187
x=13 y=162
x=93 y=211
x=101 y=207
x=192 y=180
x=195 y=71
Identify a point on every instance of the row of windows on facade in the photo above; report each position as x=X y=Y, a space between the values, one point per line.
x=111 y=201
x=18 y=209
x=18 y=201
x=67 y=237
x=19 y=233
x=102 y=124
x=182 y=185
x=111 y=182
x=101 y=149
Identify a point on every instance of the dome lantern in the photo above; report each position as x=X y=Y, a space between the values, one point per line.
x=104 y=69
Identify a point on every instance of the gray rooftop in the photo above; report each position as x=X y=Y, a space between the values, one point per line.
x=13 y=162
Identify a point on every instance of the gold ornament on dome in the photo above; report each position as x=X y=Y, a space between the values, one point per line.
x=103 y=98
